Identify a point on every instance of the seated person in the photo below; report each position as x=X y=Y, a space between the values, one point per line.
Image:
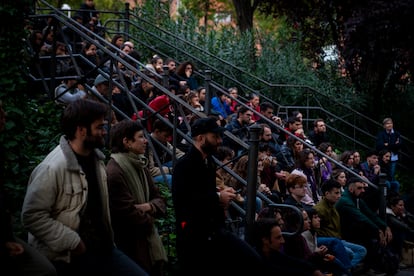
x=341 y=261
x=219 y=104
x=297 y=247
x=296 y=186
x=359 y=224
x=401 y=223
x=69 y=90
x=330 y=224
x=161 y=172
x=269 y=241
x=239 y=127
x=393 y=185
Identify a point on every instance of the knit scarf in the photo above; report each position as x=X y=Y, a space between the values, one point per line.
x=134 y=166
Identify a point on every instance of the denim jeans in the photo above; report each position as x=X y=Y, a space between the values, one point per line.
x=335 y=246
x=160 y=179
x=356 y=252
x=393 y=167
x=393 y=185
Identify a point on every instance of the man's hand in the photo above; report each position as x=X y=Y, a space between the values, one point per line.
x=226 y=195
x=80 y=249
x=388 y=234
x=144 y=207
x=14 y=248
x=377 y=169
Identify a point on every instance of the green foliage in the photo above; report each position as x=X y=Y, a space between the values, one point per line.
x=166 y=226
x=275 y=57
x=31 y=125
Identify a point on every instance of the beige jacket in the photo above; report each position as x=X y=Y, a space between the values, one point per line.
x=55 y=198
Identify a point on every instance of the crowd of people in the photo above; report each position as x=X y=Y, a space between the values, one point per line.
x=85 y=214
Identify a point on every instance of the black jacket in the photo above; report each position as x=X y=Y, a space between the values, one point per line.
x=199 y=215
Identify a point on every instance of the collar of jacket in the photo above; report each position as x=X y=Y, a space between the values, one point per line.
x=70 y=155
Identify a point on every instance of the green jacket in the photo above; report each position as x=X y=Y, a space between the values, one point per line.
x=358 y=221
x=330 y=219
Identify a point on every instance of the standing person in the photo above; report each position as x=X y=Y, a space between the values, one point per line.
x=16 y=256
x=389 y=139
x=135 y=201
x=88 y=12
x=200 y=211
x=66 y=207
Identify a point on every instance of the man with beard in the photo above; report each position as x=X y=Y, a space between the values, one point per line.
x=359 y=224
x=203 y=243
x=65 y=209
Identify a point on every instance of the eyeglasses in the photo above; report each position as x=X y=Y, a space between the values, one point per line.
x=299 y=187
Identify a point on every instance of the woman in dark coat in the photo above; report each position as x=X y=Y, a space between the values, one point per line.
x=135 y=201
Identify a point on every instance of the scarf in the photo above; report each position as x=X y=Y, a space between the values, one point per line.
x=133 y=166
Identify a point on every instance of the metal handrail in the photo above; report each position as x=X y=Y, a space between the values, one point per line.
x=114 y=54
x=307 y=88
x=266 y=83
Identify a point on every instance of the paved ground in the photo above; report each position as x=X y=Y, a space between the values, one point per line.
x=406 y=272
x=403 y=272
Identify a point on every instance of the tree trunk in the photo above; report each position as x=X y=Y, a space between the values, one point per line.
x=244 y=12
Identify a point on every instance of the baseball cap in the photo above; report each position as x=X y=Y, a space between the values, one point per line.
x=99 y=79
x=205 y=125
x=355 y=179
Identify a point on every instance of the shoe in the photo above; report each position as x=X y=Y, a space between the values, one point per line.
x=358 y=269
x=372 y=272
x=402 y=266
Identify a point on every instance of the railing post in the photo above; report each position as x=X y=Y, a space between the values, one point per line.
x=207 y=80
x=383 y=195
x=165 y=76
x=252 y=180
x=126 y=24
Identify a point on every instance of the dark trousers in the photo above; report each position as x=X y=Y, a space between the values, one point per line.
x=222 y=254
x=111 y=264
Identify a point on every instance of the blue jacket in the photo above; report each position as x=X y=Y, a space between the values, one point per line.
x=221 y=107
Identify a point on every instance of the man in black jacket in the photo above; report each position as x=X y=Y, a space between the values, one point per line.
x=203 y=243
